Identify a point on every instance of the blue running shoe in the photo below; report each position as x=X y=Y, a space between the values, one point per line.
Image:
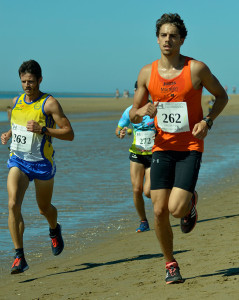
x=144 y=226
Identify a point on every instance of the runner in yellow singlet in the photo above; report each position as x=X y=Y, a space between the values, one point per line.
x=33 y=126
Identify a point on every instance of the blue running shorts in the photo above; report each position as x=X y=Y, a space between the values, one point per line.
x=42 y=170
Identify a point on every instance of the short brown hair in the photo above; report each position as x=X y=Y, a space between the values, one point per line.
x=174 y=19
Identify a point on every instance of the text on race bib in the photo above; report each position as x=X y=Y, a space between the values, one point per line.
x=144 y=140
x=21 y=138
x=172 y=117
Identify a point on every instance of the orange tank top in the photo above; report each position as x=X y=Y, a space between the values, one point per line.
x=178 y=89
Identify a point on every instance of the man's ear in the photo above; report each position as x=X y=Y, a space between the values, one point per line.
x=182 y=41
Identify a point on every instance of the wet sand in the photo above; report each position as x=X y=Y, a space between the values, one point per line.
x=127 y=265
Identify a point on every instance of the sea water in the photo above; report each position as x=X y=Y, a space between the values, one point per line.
x=92 y=189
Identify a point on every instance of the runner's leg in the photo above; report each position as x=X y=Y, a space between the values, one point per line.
x=44 y=190
x=17 y=184
x=179 y=202
x=162 y=225
x=147 y=183
x=137 y=172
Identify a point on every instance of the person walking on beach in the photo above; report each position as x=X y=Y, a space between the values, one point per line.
x=140 y=160
x=175 y=84
x=33 y=126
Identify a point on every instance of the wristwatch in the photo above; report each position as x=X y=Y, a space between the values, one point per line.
x=209 y=122
x=43 y=130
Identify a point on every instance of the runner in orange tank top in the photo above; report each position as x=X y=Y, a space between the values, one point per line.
x=175 y=84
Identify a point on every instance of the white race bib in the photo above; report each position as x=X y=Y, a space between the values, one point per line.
x=173 y=116
x=21 y=138
x=145 y=140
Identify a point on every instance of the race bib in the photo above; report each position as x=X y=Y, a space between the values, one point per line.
x=21 y=138
x=144 y=140
x=172 y=117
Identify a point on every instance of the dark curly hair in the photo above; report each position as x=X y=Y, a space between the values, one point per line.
x=174 y=19
x=32 y=67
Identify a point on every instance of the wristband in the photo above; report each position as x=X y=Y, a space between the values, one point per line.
x=119 y=132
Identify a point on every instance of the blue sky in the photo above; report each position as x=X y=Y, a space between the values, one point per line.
x=101 y=45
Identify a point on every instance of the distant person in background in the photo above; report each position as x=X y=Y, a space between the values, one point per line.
x=140 y=161
x=234 y=90
x=9 y=112
x=126 y=94
x=117 y=94
x=211 y=103
x=226 y=88
x=33 y=126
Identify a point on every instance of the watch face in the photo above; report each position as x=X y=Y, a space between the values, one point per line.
x=210 y=122
x=43 y=130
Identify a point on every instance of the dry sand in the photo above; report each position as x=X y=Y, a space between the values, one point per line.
x=127 y=265
x=84 y=105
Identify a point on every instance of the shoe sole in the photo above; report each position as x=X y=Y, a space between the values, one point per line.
x=19 y=271
x=139 y=231
x=176 y=281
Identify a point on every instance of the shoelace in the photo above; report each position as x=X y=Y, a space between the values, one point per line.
x=171 y=269
x=54 y=242
x=16 y=262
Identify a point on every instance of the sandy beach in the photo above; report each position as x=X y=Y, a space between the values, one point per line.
x=126 y=265
x=84 y=105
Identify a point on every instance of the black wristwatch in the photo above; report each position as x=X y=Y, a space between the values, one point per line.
x=43 y=130
x=209 y=122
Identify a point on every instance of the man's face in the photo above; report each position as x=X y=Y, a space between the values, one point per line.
x=30 y=84
x=169 y=39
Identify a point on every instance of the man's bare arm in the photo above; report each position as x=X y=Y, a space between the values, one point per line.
x=53 y=108
x=141 y=106
x=211 y=83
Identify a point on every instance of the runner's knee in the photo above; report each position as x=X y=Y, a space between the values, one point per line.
x=13 y=205
x=44 y=210
x=160 y=211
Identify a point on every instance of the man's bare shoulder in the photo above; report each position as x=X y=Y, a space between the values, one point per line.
x=198 y=66
x=52 y=105
x=144 y=74
x=146 y=69
x=51 y=100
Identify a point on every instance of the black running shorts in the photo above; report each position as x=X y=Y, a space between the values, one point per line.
x=141 y=159
x=175 y=169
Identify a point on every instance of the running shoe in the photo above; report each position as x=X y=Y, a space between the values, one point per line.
x=144 y=226
x=57 y=243
x=189 y=222
x=19 y=265
x=173 y=274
